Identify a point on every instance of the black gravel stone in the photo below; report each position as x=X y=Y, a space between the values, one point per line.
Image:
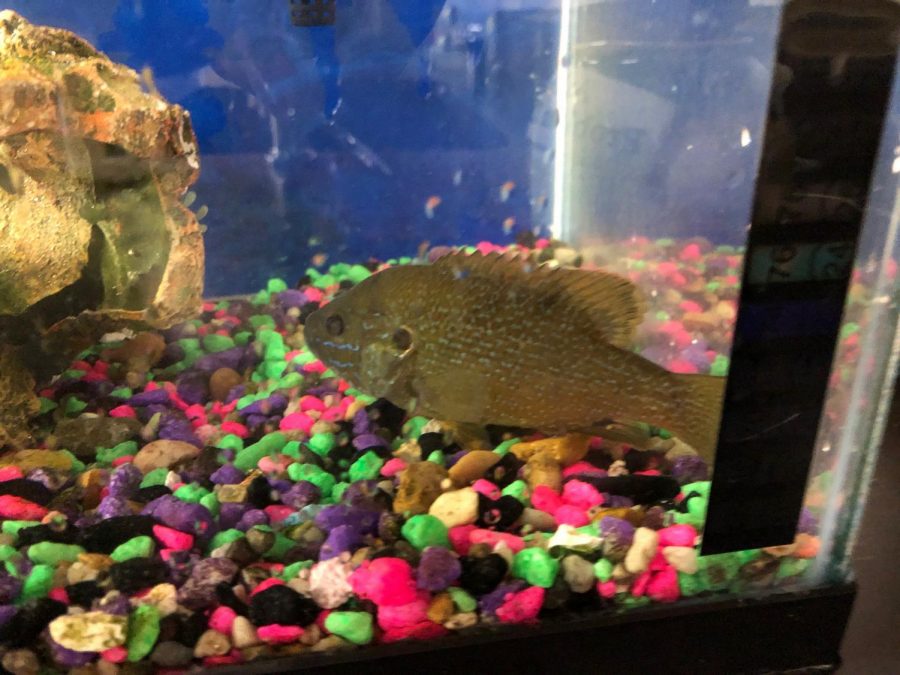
x=38 y=533
x=387 y=415
x=27 y=489
x=284 y=605
x=138 y=573
x=145 y=495
x=103 y=537
x=190 y=628
x=84 y=592
x=259 y=492
x=498 y=514
x=431 y=441
x=32 y=618
x=226 y=596
x=482 y=575
x=505 y=471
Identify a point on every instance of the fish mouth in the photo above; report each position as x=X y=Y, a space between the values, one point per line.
x=336 y=354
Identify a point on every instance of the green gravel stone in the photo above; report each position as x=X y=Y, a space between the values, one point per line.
x=73 y=406
x=155 y=477
x=211 y=503
x=504 y=447
x=249 y=457
x=337 y=492
x=136 y=547
x=366 y=467
x=437 y=457
x=688 y=584
x=51 y=553
x=603 y=570
x=425 y=530
x=243 y=337
x=260 y=320
x=73 y=374
x=791 y=567
x=7 y=552
x=215 y=343
x=273 y=369
x=290 y=381
x=696 y=506
x=121 y=392
x=225 y=537
x=230 y=442
x=518 y=489
x=328 y=374
x=12 y=527
x=190 y=345
x=355 y=627
x=716 y=572
x=719 y=366
x=631 y=602
x=244 y=401
x=47 y=405
x=314 y=474
x=535 y=566
x=292 y=570
x=281 y=546
x=304 y=357
x=261 y=298
x=412 y=428
x=291 y=449
x=366 y=399
x=324 y=281
x=77 y=465
x=276 y=285
x=191 y=493
x=109 y=455
x=38 y=582
x=322 y=443
x=849 y=329
x=358 y=273
x=464 y=602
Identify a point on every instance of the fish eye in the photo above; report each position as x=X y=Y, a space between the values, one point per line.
x=334 y=325
x=402 y=338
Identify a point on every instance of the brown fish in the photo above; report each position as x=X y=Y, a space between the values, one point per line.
x=489 y=339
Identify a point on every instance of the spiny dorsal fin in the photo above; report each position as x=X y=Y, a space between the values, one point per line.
x=612 y=303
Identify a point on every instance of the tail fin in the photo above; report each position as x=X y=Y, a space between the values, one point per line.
x=696 y=420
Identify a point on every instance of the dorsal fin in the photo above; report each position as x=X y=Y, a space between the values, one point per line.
x=612 y=303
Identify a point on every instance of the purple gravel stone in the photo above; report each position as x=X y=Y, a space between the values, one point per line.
x=179 y=332
x=145 y=413
x=361 y=423
x=199 y=591
x=363 y=520
x=360 y=494
x=228 y=358
x=273 y=405
x=253 y=421
x=125 y=481
x=113 y=603
x=617 y=501
x=227 y=474
x=438 y=252
x=173 y=353
x=300 y=494
x=181 y=564
x=292 y=298
x=454 y=458
x=182 y=516
x=438 y=569
x=369 y=441
x=45 y=478
x=176 y=427
x=235 y=393
x=230 y=514
x=227 y=455
x=193 y=386
x=808 y=523
x=88 y=519
x=68 y=658
x=155 y=397
x=9 y=587
x=279 y=485
x=7 y=612
x=689 y=469
x=340 y=539
x=252 y=518
x=111 y=506
x=491 y=602
x=617 y=531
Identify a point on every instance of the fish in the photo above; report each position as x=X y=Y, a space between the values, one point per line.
x=431 y=204
x=497 y=340
x=508 y=224
x=457 y=177
x=319 y=259
x=506 y=190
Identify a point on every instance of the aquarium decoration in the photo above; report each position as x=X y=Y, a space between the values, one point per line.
x=94 y=234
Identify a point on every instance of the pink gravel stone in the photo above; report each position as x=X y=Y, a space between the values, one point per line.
x=267 y=583
x=16 y=508
x=235 y=428
x=315 y=367
x=491 y=538
x=384 y=581
x=426 y=630
x=234 y=656
x=114 y=654
x=297 y=420
x=311 y=403
x=275 y=633
x=123 y=410
x=459 y=538
x=606 y=589
x=278 y=513
x=392 y=467
x=313 y=294
x=682 y=366
x=545 y=499
x=649 y=472
x=59 y=594
x=487 y=488
x=582 y=467
x=10 y=473
x=521 y=607
x=677 y=535
x=221 y=619
x=277 y=465
x=691 y=253
x=119 y=461
x=639 y=585
x=581 y=494
x=663 y=586
x=571 y=515
x=173 y=539
x=399 y=616
x=334 y=414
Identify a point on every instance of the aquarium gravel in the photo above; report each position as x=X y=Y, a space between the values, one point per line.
x=212 y=494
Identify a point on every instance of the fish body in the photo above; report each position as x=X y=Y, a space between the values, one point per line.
x=431 y=204
x=506 y=190
x=486 y=339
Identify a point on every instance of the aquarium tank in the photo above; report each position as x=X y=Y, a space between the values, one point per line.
x=334 y=331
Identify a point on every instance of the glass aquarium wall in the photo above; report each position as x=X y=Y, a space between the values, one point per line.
x=332 y=324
